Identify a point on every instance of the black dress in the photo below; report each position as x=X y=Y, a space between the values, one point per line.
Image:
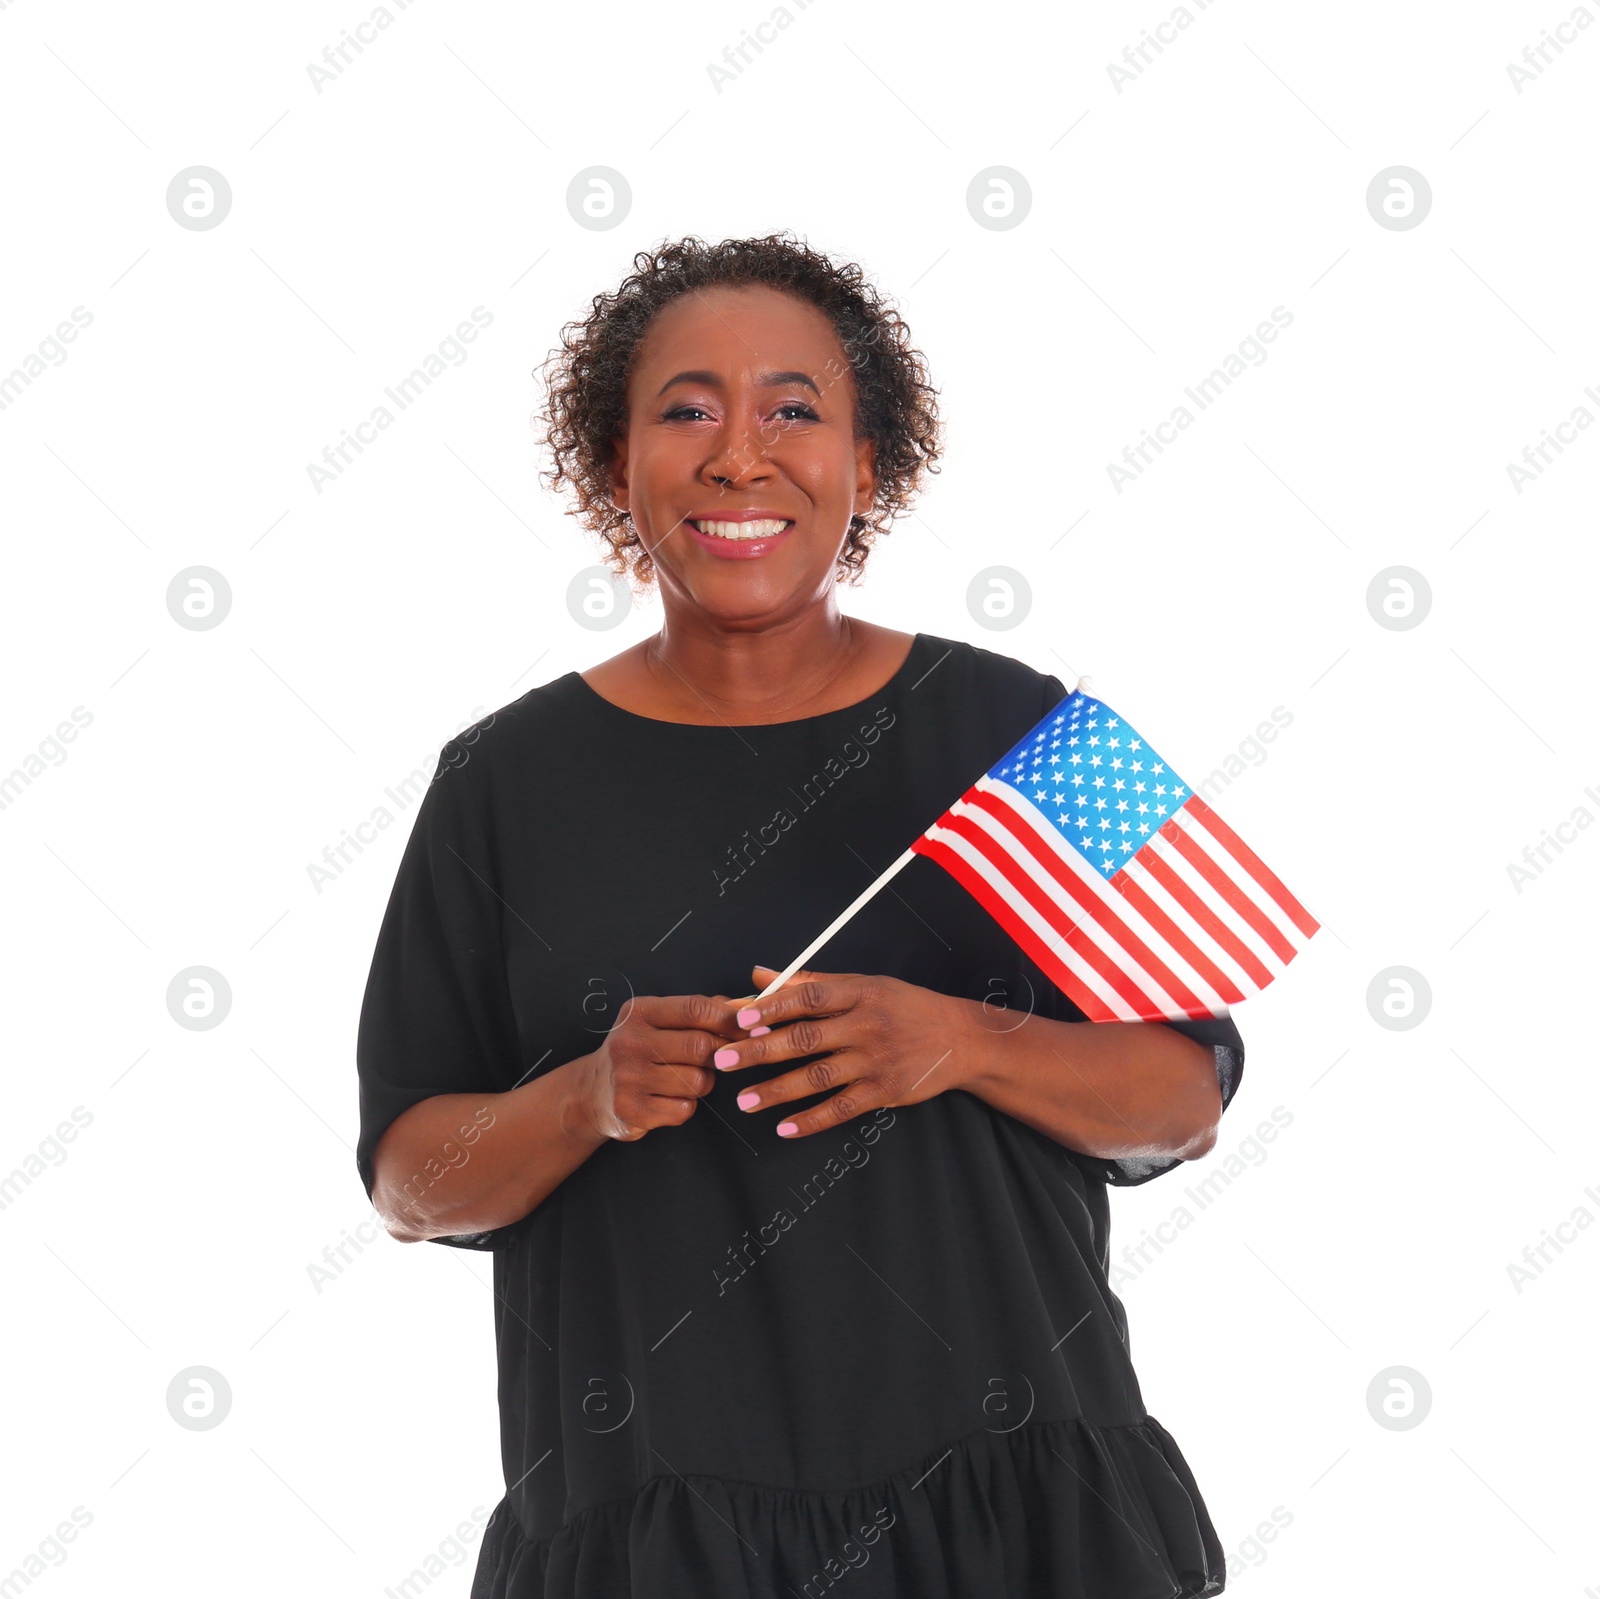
x=733 y=1364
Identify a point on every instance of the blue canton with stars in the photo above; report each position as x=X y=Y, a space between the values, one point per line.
x=1092 y=776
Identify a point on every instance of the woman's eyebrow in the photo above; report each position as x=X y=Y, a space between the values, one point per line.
x=766 y=380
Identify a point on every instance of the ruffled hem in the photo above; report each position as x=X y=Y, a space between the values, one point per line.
x=1063 y=1508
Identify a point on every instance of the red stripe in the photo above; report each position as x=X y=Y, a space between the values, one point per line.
x=1252 y=863
x=1175 y=935
x=1243 y=906
x=1104 y=916
x=1045 y=959
x=1027 y=887
x=1221 y=934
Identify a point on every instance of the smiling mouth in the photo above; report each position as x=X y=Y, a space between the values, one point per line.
x=765 y=528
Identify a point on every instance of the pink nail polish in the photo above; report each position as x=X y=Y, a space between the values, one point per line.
x=785 y=1129
x=725 y=1058
x=748 y=1098
x=748 y=1017
x=756 y=1032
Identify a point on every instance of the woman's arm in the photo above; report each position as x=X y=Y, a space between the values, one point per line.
x=468 y=1163
x=1107 y=1089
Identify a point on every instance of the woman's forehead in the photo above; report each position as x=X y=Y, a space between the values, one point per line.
x=751 y=326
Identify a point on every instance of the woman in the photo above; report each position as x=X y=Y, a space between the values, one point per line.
x=815 y=1292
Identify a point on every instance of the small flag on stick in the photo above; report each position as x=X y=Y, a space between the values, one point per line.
x=1120 y=883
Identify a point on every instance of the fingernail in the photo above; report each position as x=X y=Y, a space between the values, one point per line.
x=756 y=1032
x=786 y=1129
x=725 y=1058
x=748 y=1016
x=749 y=1098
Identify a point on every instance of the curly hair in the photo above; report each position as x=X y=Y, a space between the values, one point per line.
x=586 y=381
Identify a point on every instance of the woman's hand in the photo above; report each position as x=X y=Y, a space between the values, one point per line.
x=651 y=1069
x=889 y=1043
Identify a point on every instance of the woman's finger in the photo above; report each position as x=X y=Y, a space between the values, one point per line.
x=856 y=1095
x=808 y=1036
x=805 y=994
x=830 y=1071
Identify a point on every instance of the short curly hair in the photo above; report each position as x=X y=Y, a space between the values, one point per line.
x=586 y=380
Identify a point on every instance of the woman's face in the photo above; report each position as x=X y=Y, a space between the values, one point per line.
x=741 y=405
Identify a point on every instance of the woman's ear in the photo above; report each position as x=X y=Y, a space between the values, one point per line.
x=618 y=473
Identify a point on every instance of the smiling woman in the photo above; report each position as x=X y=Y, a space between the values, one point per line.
x=927 y=1388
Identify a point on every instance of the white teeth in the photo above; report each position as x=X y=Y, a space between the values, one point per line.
x=765 y=529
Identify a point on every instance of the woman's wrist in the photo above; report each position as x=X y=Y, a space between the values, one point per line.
x=575 y=1106
x=979 y=1033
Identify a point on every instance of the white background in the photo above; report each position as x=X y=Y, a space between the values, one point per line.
x=428 y=585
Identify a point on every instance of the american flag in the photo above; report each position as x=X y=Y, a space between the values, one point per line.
x=1121 y=884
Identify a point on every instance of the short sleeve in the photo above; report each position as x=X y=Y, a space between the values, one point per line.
x=1221 y=1033
x=436 y=1016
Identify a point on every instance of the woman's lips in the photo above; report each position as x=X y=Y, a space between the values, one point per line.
x=738 y=549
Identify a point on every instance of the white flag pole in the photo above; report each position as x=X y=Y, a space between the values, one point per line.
x=849 y=911
x=832 y=927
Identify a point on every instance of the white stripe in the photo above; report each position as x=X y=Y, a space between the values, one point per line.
x=1141 y=874
x=1236 y=870
x=1048 y=936
x=1220 y=908
x=1092 y=922
x=1116 y=906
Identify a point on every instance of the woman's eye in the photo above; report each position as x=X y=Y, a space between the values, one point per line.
x=805 y=411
